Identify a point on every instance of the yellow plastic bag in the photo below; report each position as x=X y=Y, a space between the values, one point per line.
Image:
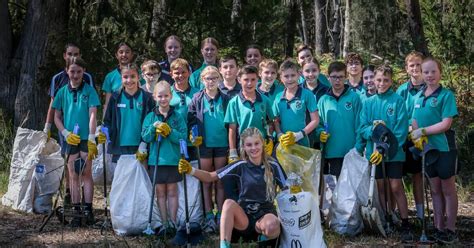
x=303 y=161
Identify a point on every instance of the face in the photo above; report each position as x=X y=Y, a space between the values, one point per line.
x=413 y=67
x=173 y=49
x=209 y=53
x=310 y=72
x=289 y=78
x=130 y=79
x=211 y=80
x=229 y=70
x=180 y=75
x=382 y=82
x=253 y=57
x=304 y=55
x=268 y=74
x=368 y=77
x=431 y=73
x=151 y=76
x=71 y=52
x=354 y=67
x=163 y=96
x=253 y=147
x=124 y=55
x=337 y=79
x=75 y=73
x=248 y=82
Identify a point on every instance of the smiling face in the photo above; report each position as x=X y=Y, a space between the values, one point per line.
x=253 y=57
x=130 y=79
x=229 y=70
x=289 y=78
x=383 y=82
x=180 y=75
x=431 y=73
x=211 y=80
x=310 y=72
x=354 y=67
x=173 y=49
x=209 y=53
x=162 y=95
x=304 y=55
x=75 y=73
x=124 y=55
x=253 y=147
x=71 y=52
x=248 y=82
x=268 y=74
x=413 y=67
x=368 y=77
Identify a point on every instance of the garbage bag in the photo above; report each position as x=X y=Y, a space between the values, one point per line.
x=130 y=198
x=98 y=167
x=29 y=151
x=195 y=207
x=301 y=223
x=350 y=194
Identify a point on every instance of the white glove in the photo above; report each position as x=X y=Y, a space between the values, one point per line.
x=142 y=148
x=65 y=133
x=91 y=138
x=47 y=127
x=233 y=153
x=157 y=123
x=298 y=136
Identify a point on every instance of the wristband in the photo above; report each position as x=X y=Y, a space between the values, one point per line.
x=92 y=138
x=65 y=133
x=233 y=153
x=193 y=170
x=47 y=127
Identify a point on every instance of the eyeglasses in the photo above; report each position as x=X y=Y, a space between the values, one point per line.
x=353 y=63
x=211 y=79
x=150 y=75
x=336 y=78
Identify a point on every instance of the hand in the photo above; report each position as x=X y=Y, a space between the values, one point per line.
x=101 y=138
x=197 y=141
x=376 y=123
x=376 y=157
x=71 y=139
x=47 y=130
x=163 y=129
x=92 y=148
x=417 y=133
x=421 y=142
x=269 y=147
x=232 y=156
x=185 y=167
x=323 y=137
x=142 y=153
x=287 y=139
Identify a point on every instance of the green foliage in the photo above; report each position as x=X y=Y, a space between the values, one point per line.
x=6 y=142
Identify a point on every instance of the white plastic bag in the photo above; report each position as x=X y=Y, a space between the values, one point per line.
x=299 y=215
x=98 y=167
x=27 y=149
x=194 y=199
x=130 y=198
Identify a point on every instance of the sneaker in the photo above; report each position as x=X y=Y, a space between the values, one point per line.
x=67 y=200
x=218 y=221
x=171 y=229
x=449 y=237
x=209 y=226
x=76 y=221
x=89 y=217
x=406 y=235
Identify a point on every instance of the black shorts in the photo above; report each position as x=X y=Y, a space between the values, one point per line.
x=254 y=215
x=165 y=174
x=411 y=165
x=213 y=152
x=124 y=150
x=192 y=153
x=445 y=167
x=394 y=170
x=333 y=166
x=76 y=149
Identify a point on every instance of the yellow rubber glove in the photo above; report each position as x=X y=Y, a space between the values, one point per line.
x=232 y=156
x=101 y=138
x=295 y=189
x=323 y=137
x=163 y=129
x=269 y=147
x=142 y=152
x=287 y=139
x=92 y=150
x=185 y=167
x=71 y=139
x=416 y=134
x=47 y=130
x=421 y=142
x=197 y=141
x=376 y=157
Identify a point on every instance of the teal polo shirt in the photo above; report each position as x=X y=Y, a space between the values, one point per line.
x=389 y=107
x=130 y=107
x=75 y=105
x=341 y=115
x=169 y=149
x=359 y=89
x=245 y=113
x=214 y=126
x=318 y=92
x=432 y=109
x=321 y=78
x=408 y=92
x=181 y=101
x=113 y=81
x=276 y=88
x=292 y=113
x=195 y=78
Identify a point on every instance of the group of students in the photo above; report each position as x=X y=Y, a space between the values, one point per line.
x=148 y=110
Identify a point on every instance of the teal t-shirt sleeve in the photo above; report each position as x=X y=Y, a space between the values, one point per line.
x=270 y=114
x=94 y=98
x=275 y=109
x=365 y=124
x=148 y=130
x=178 y=129
x=449 y=109
x=57 y=101
x=400 y=129
x=311 y=103
x=231 y=112
x=107 y=85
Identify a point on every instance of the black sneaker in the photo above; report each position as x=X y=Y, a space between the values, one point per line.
x=76 y=221
x=449 y=237
x=67 y=200
x=406 y=235
x=436 y=234
x=89 y=217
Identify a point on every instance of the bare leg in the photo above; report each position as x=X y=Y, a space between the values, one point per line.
x=400 y=197
x=172 y=193
x=448 y=187
x=74 y=180
x=417 y=188
x=206 y=164
x=438 y=203
x=381 y=191
x=220 y=162
x=161 y=196
x=268 y=225
x=233 y=216
x=87 y=180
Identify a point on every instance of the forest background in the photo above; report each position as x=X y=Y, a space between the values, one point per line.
x=33 y=34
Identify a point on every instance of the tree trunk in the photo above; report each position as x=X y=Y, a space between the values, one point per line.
x=347 y=28
x=416 y=26
x=41 y=42
x=157 y=22
x=321 y=39
x=6 y=102
x=235 y=21
x=290 y=29
x=304 y=31
x=336 y=29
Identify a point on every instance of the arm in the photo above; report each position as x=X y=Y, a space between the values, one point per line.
x=365 y=124
x=50 y=113
x=148 y=130
x=107 y=98
x=232 y=136
x=58 y=120
x=92 y=120
x=205 y=176
x=437 y=128
x=277 y=125
x=313 y=123
x=400 y=129
x=179 y=132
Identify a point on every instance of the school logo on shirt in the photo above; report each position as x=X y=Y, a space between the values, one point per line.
x=174 y=123
x=139 y=105
x=434 y=102
x=348 y=105
x=390 y=110
x=298 y=104
x=262 y=108
x=84 y=98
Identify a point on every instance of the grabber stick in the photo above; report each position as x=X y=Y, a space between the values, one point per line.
x=106 y=223
x=195 y=132
x=184 y=155
x=149 y=230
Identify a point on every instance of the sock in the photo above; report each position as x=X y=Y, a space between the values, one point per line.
x=210 y=215
x=419 y=210
x=225 y=244
x=88 y=207
x=76 y=207
x=262 y=237
x=218 y=215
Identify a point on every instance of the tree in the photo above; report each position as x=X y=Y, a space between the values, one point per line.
x=304 y=31
x=31 y=65
x=157 y=22
x=336 y=29
x=290 y=27
x=347 y=28
x=321 y=43
x=416 y=26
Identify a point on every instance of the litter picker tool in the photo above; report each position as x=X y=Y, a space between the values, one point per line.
x=322 y=184
x=184 y=155
x=149 y=231
x=106 y=224
x=195 y=133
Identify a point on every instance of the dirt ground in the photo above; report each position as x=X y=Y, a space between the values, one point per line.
x=19 y=229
